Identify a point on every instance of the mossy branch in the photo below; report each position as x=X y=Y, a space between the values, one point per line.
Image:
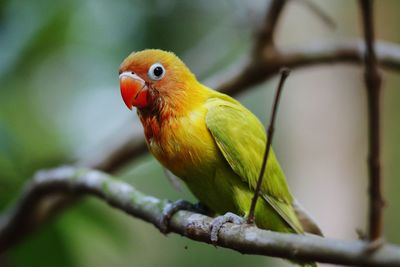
x=74 y=182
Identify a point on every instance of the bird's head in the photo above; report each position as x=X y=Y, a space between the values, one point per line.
x=153 y=77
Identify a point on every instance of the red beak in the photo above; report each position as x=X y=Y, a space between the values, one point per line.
x=133 y=90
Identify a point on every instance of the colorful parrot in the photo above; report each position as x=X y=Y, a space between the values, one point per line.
x=209 y=140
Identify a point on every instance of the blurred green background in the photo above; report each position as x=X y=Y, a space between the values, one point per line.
x=59 y=101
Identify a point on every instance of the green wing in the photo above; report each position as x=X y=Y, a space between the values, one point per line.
x=241 y=138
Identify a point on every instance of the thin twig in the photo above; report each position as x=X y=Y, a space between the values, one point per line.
x=328 y=21
x=76 y=182
x=270 y=133
x=373 y=84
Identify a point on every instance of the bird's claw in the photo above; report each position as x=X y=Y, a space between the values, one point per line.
x=171 y=208
x=217 y=223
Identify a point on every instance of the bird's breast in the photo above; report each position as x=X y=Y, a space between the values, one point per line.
x=182 y=144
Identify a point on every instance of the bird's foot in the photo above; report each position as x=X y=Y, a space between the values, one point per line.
x=171 y=208
x=218 y=222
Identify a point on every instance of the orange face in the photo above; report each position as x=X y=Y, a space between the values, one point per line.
x=151 y=74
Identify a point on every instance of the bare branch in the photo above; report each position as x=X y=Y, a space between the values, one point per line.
x=373 y=84
x=388 y=56
x=270 y=134
x=265 y=37
x=247 y=239
x=111 y=158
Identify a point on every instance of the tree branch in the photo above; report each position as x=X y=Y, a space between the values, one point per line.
x=350 y=51
x=111 y=158
x=265 y=37
x=246 y=239
x=373 y=84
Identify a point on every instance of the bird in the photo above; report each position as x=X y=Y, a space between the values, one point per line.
x=210 y=141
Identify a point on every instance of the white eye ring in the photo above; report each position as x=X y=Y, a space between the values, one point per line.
x=156 y=72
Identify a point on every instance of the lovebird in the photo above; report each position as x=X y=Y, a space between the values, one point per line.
x=209 y=140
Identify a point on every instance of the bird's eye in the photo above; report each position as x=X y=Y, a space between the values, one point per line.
x=156 y=72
